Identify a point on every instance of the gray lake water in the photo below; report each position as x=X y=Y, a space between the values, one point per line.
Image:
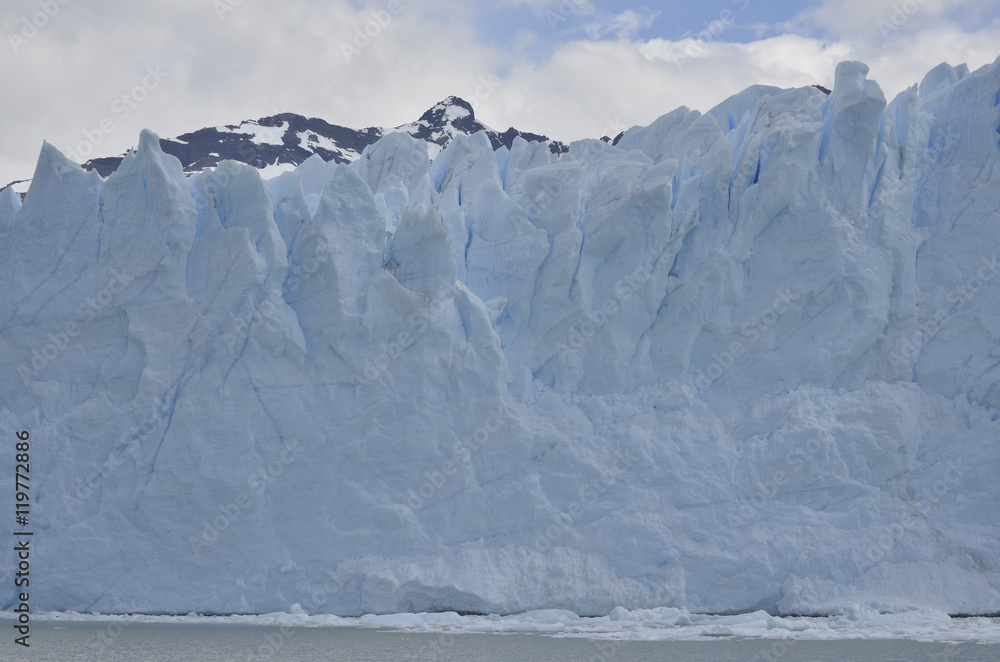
x=72 y=642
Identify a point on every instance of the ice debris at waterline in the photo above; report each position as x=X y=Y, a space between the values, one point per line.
x=659 y=624
x=740 y=360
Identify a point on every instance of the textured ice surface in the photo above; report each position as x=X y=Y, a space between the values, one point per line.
x=742 y=360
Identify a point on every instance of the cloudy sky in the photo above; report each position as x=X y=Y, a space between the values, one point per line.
x=88 y=75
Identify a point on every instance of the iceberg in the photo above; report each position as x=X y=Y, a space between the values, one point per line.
x=741 y=361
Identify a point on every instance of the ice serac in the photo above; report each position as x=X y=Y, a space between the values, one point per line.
x=397 y=170
x=743 y=359
x=420 y=256
x=50 y=254
x=10 y=202
x=503 y=256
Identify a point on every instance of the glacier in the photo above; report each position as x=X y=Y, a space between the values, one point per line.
x=739 y=360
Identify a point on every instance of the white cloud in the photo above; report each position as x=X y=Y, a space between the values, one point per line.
x=623 y=26
x=873 y=20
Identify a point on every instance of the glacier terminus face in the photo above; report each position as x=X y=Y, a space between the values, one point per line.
x=739 y=360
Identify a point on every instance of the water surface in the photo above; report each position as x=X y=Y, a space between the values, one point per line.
x=112 y=642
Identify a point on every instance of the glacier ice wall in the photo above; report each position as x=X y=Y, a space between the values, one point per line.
x=743 y=359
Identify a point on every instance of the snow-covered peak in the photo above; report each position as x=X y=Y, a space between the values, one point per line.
x=281 y=142
x=449 y=112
